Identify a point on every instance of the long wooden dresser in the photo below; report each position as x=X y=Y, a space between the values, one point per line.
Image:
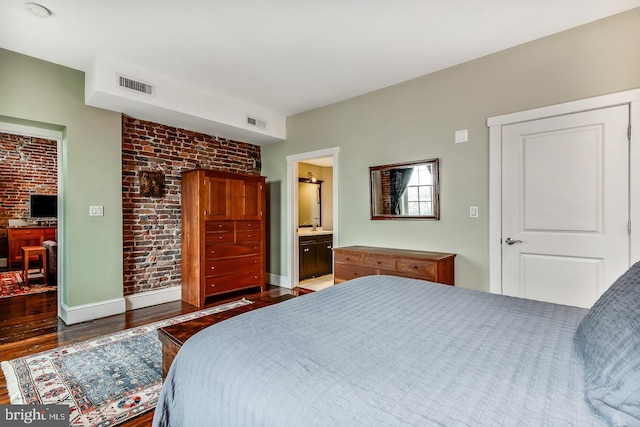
x=357 y=261
x=223 y=233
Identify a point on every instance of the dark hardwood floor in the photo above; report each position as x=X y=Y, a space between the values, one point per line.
x=29 y=324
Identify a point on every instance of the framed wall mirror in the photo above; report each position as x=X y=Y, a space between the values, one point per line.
x=405 y=190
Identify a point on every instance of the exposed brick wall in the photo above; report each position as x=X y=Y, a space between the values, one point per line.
x=386 y=192
x=152 y=225
x=27 y=165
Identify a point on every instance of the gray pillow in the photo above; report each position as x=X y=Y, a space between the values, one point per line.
x=608 y=341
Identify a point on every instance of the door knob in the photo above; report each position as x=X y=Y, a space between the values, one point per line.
x=510 y=241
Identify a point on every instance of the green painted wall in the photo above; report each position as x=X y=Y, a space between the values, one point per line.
x=40 y=93
x=417 y=119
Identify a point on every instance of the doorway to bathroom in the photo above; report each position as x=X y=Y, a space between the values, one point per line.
x=313 y=218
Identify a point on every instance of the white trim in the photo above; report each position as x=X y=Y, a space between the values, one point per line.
x=153 y=297
x=495 y=124
x=31 y=131
x=495 y=210
x=596 y=102
x=292 y=203
x=57 y=135
x=634 y=182
x=95 y=310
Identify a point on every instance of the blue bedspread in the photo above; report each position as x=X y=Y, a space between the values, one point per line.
x=383 y=351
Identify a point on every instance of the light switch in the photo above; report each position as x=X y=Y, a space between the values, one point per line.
x=462 y=136
x=473 y=212
x=96 y=210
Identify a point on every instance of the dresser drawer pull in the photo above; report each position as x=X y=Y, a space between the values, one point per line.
x=378 y=262
x=213 y=268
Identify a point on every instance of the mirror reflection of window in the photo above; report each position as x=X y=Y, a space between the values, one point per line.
x=418 y=197
x=407 y=190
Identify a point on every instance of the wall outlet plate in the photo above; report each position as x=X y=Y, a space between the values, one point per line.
x=96 y=210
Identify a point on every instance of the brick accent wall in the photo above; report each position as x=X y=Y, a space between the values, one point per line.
x=152 y=225
x=27 y=165
x=386 y=193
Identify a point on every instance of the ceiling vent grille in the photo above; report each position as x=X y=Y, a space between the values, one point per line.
x=256 y=122
x=136 y=86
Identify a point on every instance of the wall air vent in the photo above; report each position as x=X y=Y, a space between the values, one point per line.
x=256 y=122
x=135 y=85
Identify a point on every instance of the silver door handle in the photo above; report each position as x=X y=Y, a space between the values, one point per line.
x=510 y=241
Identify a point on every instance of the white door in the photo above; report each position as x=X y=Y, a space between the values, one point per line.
x=565 y=206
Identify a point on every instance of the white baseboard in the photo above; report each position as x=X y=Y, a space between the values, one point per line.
x=86 y=312
x=277 y=280
x=155 y=297
x=3 y=262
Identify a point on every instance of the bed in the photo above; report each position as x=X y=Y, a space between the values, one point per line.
x=389 y=351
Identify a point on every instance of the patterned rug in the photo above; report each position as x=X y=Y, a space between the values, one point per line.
x=11 y=284
x=105 y=381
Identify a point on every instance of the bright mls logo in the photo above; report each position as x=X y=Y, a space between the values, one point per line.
x=34 y=415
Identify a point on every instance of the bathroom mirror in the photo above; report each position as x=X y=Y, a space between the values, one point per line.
x=405 y=190
x=309 y=202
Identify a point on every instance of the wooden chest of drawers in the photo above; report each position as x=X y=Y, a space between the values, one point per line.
x=223 y=233
x=356 y=261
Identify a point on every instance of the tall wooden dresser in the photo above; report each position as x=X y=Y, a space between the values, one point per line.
x=223 y=233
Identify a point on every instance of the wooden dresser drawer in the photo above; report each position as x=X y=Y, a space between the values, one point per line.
x=419 y=268
x=248 y=225
x=217 y=267
x=379 y=261
x=225 y=251
x=218 y=238
x=342 y=272
x=248 y=236
x=340 y=257
x=218 y=226
x=219 y=284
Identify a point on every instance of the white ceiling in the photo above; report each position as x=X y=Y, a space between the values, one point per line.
x=289 y=56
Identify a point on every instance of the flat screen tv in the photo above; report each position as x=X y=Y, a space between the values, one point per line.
x=43 y=206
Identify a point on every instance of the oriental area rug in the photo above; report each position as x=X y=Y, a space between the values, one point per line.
x=104 y=381
x=12 y=284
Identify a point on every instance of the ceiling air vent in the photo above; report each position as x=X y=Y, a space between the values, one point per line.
x=137 y=86
x=256 y=122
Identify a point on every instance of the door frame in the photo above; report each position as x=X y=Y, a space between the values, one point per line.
x=292 y=203
x=630 y=97
x=56 y=135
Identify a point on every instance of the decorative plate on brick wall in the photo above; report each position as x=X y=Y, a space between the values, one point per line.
x=151 y=184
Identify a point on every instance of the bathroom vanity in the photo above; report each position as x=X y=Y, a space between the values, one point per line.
x=315 y=254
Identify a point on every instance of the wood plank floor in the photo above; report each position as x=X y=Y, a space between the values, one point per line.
x=29 y=324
